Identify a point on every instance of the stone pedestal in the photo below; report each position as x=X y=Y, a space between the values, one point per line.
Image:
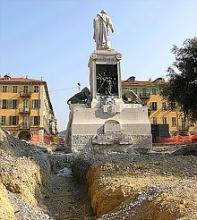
x=92 y=127
x=109 y=123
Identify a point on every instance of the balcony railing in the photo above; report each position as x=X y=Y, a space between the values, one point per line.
x=24 y=110
x=25 y=94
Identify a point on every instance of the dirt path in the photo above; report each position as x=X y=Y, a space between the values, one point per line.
x=67 y=199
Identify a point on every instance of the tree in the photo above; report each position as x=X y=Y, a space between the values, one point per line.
x=182 y=84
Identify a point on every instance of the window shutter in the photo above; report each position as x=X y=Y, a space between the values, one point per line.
x=32 y=120
x=10 y=103
x=16 y=103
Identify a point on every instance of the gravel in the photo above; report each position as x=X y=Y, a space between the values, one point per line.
x=129 y=209
x=24 y=211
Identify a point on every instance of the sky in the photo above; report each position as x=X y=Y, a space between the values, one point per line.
x=53 y=39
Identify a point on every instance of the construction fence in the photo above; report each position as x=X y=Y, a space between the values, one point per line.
x=178 y=139
x=47 y=139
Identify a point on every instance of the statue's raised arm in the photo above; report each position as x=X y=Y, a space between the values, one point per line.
x=102 y=23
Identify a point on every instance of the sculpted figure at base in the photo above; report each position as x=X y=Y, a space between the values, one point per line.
x=83 y=97
x=102 y=25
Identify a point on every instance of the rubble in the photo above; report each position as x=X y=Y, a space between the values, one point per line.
x=65 y=172
x=116 y=181
x=150 y=186
x=6 y=208
x=37 y=184
x=186 y=150
x=24 y=170
x=24 y=211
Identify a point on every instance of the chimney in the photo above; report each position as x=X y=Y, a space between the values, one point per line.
x=7 y=76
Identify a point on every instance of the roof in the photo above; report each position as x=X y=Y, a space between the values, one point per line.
x=19 y=80
x=157 y=82
x=6 y=79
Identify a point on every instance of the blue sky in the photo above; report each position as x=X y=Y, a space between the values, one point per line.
x=53 y=39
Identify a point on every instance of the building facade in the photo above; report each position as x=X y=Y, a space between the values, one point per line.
x=160 y=111
x=25 y=108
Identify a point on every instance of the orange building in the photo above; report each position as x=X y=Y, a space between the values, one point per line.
x=25 y=108
x=160 y=110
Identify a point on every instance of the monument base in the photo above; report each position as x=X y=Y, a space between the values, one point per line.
x=98 y=129
x=107 y=124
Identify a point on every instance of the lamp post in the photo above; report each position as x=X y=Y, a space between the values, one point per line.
x=79 y=86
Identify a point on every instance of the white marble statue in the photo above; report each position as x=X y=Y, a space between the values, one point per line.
x=102 y=24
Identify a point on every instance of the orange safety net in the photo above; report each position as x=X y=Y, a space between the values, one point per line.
x=178 y=139
x=36 y=139
x=47 y=139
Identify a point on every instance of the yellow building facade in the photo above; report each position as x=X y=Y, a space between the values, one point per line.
x=25 y=108
x=160 y=110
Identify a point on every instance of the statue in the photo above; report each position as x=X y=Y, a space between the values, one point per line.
x=83 y=97
x=130 y=96
x=102 y=24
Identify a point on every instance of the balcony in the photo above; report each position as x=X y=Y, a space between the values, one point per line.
x=24 y=110
x=25 y=94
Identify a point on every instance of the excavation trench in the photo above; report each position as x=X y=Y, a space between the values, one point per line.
x=65 y=198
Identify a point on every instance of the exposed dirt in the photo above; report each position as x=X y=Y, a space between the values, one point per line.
x=156 y=186
x=30 y=188
x=112 y=185
x=66 y=199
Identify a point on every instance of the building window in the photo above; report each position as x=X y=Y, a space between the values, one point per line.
x=154 y=91
x=2 y=120
x=13 y=120
x=172 y=106
x=173 y=121
x=36 y=120
x=144 y=91
x=164 y=120
x=14 y=104
x=26 y=89
x=36 y=103
x=15 y=89
x=36 y=89
x=154 y=120
x=164 y=106
x=5 y=89
x=154 y=106
x=4 y=103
